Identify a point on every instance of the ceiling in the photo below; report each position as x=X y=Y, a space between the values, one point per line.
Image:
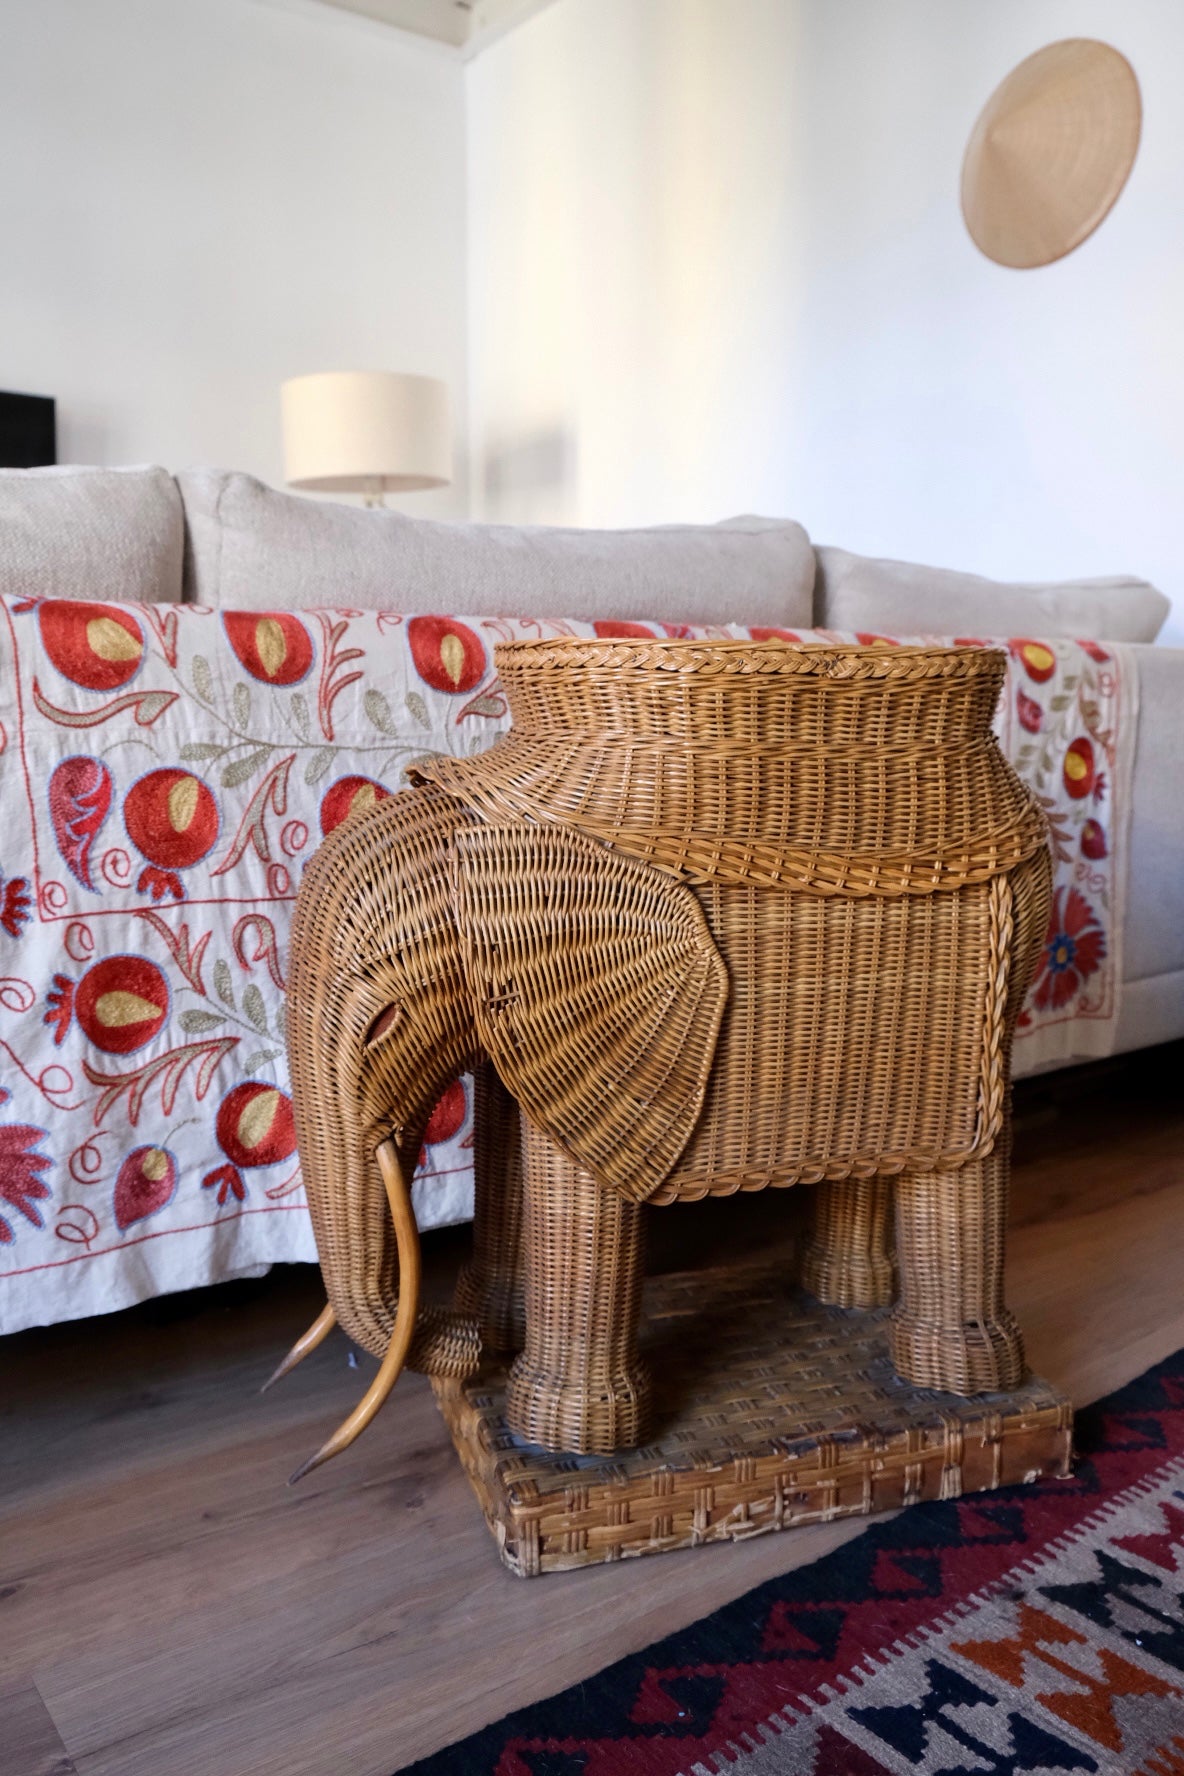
x=465 y=24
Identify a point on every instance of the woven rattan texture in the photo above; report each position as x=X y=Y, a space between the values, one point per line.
x=839 y=770
x=837 y=1007
x=379 y=1022
x=597 y=991
x=490 y=1286
x=825 y=992
x=769 y=1411
x=579 y=1382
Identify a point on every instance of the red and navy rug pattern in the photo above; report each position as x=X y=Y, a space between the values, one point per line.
x=1039 y=1629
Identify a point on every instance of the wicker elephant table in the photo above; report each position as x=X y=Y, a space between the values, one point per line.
x=712 y=917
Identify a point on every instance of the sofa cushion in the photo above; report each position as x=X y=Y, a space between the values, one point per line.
x=901 y=598
x=253 y=548
x=1154 y=939
x=107 y=534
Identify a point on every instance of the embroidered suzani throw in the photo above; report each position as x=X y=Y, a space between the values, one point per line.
x=165 y=773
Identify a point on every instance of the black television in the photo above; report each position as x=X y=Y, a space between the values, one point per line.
x=28 y=431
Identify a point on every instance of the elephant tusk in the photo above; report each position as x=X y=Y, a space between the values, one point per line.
x=307 y=1342
x=407 y=1241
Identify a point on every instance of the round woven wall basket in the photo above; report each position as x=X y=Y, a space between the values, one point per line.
x=1051 y=151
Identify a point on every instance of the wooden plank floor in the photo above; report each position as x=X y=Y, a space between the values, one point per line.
x=168 y=1607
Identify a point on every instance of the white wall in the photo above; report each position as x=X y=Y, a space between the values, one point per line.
x=717 y=264
x=199 y=198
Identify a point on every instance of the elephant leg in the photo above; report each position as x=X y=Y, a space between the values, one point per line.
x=579 y=1384
x=950 y=1329
x=847 y=1260
x=491 y=1285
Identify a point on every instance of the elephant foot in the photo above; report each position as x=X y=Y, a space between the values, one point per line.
x=848 y=1280
x=585 y=1417
x=499 y=1306
x=848 y=1258
x=983 y=1357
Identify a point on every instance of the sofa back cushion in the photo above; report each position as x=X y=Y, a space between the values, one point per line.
x=900 y=598
x=108 y=534
x=251 y=548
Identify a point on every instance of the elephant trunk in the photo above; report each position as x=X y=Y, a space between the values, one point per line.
x=378 y=1023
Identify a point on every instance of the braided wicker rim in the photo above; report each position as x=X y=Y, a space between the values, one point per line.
x=749 y=659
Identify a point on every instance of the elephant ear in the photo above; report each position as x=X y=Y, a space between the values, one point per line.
x=598 y=994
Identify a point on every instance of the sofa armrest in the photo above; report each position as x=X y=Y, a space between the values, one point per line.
x=1154 y=929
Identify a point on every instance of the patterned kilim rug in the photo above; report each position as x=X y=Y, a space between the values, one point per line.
x=1039 y=1629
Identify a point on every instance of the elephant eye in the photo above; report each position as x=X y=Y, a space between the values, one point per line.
x=382 y=1024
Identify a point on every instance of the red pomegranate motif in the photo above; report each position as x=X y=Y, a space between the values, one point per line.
x=274 y=646
x=254 y=1125
x=98 y=646
x=80 y=795
x=120 y=1004
x=1093 y=841
x=146 y=1182
x=447 y=1118
x=254 y=1128
x=774 y=635
x=1029 y=711
x=448 y=1115
x=867 y=639
x=448 y=655
x=611 y=630
x=172 y=818
x=1037 y=661
x=1078 y=770
x=349 y=795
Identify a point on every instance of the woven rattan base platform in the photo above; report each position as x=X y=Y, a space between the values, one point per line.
x=771 y=1412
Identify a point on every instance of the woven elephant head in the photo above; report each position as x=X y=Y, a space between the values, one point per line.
x=412 y=960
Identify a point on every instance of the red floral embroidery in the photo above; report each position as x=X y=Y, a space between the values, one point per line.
x=120 y=1004
x=146 y=1182
x=1038 y=661
x=15 y=905
x=98 y=646
x=1073 y=950
x=612 y=630
x=447 y=1118
x=254 y=1125
x=349 y=795
x=20 y=1186
x=1029 y=711
x=1079 y=769
x=274 y=646
x=448 y=655
x=1093 y=841
x=228 y=1181
x=80 y=793
x=172 y=817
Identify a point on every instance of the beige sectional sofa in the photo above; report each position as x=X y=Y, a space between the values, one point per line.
x=224 y=539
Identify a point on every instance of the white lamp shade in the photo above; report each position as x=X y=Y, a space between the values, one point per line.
x=366 y=431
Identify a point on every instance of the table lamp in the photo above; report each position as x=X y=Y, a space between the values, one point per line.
x=368 y=431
